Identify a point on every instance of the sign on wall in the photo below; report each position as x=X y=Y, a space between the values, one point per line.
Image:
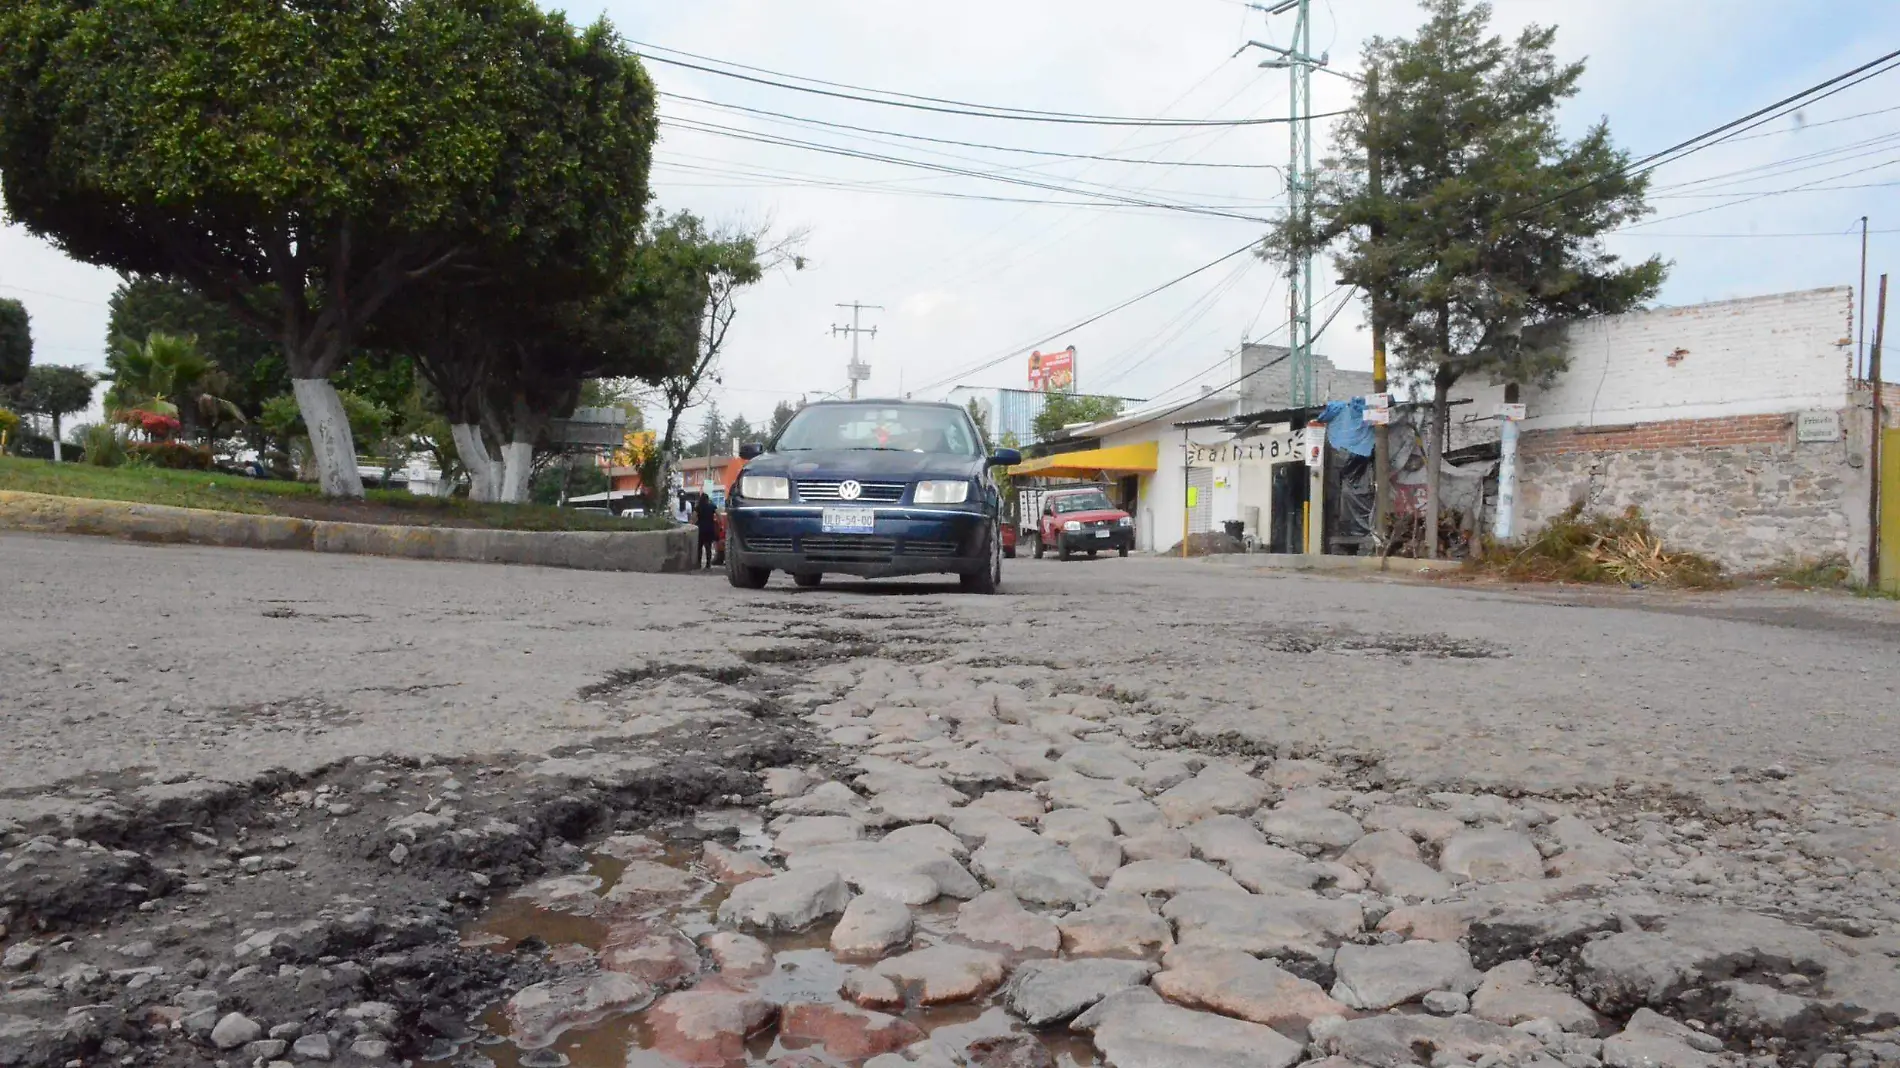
x=1274 y=449
x=1052 y=372
x=1817 y=426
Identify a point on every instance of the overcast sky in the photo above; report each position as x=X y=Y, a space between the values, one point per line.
x=967 y=281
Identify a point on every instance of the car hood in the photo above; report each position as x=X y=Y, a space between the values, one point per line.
x=865 y=465
x=1092 y=516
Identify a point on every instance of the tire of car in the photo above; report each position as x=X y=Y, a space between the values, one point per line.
x=988 y=580
x=1091 y=554
x=808 y=580
x=1123 y=550
x=1063 y=551
x=746 y=578
x=1036 y=542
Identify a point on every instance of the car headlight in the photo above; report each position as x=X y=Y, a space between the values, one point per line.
x=765 y=487
x=942 y=492
x=1073 y=524
x=1125 y=521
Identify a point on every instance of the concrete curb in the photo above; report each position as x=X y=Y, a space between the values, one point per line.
x=1347 y=564
x=634 y=550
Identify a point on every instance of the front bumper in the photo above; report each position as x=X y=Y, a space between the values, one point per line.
x=904 y=541
x=1081 y=541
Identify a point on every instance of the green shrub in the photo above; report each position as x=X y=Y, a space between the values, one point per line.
x=104 y=447
x=170 y=455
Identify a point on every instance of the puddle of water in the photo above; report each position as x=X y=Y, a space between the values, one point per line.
x=804 y=968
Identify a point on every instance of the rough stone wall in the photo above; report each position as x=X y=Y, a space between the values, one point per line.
x=1740 y=489
x=1272 y=387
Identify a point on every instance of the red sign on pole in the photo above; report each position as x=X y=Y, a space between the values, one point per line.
x=1052 y=372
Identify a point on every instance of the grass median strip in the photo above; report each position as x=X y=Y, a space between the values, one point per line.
x=221 y=492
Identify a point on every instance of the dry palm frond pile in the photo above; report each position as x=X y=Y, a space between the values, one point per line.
x=1603 y=549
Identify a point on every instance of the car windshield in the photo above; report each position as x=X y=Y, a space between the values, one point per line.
x=882 y=427
x=1081 y=502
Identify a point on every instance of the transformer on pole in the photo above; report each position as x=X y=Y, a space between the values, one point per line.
x=1298 y=60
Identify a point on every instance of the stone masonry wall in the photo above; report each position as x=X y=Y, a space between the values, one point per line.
x=1738 y=489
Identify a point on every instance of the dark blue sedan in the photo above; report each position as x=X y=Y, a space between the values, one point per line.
x=869 y=488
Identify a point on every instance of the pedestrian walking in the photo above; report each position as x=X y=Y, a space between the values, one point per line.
x=683 y=512
x=708 y=519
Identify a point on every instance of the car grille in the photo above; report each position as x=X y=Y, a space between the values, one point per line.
x=869 y=493
x=1100 y=524
x=768 y=545
x=847 y=548
x=930 y=548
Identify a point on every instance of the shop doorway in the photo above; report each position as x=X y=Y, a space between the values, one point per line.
x=1291 y=486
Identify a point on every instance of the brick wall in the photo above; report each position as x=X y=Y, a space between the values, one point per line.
x=1673 y=434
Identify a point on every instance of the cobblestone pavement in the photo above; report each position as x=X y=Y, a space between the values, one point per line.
x=270 y=806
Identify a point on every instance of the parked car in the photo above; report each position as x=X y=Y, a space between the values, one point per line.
x=1082 y=520
x=869 y=488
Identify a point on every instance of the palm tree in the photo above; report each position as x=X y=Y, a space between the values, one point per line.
x=164 y=374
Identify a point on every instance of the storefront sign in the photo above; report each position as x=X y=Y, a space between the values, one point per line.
x=1273 y=449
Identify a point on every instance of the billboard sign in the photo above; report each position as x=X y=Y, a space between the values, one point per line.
x=1052 y=372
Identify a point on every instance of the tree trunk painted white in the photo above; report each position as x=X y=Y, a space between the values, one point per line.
x=332 y=448
x=56 y=456
x=484 y=480
x=517 y=458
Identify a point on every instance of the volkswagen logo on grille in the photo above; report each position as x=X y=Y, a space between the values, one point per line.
x=849 y=490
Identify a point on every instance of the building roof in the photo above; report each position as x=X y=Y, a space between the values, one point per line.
x=1272 y=415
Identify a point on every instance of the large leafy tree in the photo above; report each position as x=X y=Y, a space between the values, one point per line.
x=16 y=342
x=56 y=392
x=305 y=163
x=1067 y=409
x=681 y=300
x=1486 y=231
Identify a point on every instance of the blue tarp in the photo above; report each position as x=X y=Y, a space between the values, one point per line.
x=1346 y=426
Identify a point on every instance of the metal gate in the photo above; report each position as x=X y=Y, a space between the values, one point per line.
x=1890 y=510
x=1201 y=500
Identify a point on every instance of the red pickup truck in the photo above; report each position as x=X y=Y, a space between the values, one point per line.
x=1082 y=520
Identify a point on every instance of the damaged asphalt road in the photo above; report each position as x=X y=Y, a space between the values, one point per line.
x=250 y=803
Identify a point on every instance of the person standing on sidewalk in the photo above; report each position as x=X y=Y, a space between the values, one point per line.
x=708 y=519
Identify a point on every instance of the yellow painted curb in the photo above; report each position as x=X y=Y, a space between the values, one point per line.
x=589 y=550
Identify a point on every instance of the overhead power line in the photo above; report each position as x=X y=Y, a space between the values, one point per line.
x=1229 y=385
x=964 y=144
x=1712 y=137
x=759 y=180
x=953 y=107
x=850 y=153
x=1072 y=327
x=1757 y=196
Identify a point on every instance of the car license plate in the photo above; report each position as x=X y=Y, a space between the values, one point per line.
x=848 y=520
x=1101 y=533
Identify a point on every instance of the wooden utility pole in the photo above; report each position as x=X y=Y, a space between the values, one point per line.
x=1381 y=433
x=1873 y=443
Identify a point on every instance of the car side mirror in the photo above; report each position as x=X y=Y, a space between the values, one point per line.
x=1005 y=458
x=751 y=450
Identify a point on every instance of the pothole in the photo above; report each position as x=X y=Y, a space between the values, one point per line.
x=1347 y=640
x=571 y=933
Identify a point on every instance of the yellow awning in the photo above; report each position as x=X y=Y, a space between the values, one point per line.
x=1138 y=458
